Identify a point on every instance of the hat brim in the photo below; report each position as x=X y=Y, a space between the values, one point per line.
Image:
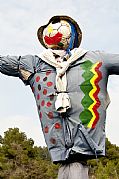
x=67 y=18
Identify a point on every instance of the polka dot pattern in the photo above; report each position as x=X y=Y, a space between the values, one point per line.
x=53 y=140
x=48 y=72
x=49 y=84
x=46 y=129
x=50 y=115
x=49 y=104
x=39 y=87
x=37 y=78
x=43 y=85
x=40 y=115
x=45 y=79
x=51 y=97
x=33 y=89
x=44 y=91
x=42 y=103
x=38 y=96
x=57 y=126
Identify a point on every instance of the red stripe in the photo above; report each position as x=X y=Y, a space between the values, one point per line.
x=96 y=106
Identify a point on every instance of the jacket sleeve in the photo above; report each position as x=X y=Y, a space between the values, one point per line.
x=19 y=66
x=111 y=62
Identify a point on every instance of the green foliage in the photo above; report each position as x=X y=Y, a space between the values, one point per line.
x=106 y=167
x=20 y=159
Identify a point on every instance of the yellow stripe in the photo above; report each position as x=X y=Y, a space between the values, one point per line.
x=91 y=94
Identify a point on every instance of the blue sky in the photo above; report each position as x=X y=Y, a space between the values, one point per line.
x=19 y=21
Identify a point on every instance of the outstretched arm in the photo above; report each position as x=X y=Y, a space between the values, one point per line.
x=111 y=62
x=9 y=65
x=18 y=66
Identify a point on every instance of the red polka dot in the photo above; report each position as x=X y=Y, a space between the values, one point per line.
x=49 y=104
x=40 y=115
x=33 y=89
x=50 y=115
x=42 y=103
x=46 y=129
x=44 y=91
x=38 y=96
x=48 y=72
x=57 y=125
x=49 y=83
x=53 y=140
x=37 y=78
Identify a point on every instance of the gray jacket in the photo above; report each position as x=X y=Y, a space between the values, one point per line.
x=81 y=130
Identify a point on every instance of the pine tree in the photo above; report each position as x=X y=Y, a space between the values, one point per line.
x=20 y=159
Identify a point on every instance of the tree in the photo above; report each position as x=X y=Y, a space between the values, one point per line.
x=106 y=167
x=19 y=158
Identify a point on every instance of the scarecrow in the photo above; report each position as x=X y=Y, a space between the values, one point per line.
x=70 y=88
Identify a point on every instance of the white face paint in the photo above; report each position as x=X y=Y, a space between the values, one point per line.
x=57 y=35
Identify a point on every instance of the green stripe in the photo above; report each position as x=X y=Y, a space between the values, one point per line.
x=86 y=87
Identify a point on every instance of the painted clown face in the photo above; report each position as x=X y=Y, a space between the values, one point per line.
x=57 y=35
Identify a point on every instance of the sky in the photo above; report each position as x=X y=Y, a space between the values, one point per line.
x=19 y=21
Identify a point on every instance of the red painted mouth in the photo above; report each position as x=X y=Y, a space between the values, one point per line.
x=53 y=40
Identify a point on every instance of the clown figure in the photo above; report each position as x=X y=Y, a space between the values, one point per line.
x=70 y=88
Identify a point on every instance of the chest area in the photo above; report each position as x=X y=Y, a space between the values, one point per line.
x=82 y=75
